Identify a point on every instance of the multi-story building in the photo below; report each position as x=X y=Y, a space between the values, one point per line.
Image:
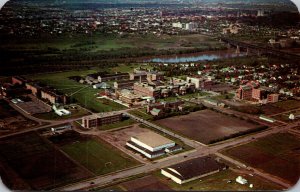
x=53 y=96
x=35 y=89
x=244 y=93
x=145 y=89
x=97 y=120
x=273 y=98
x=18 y=80
x=113 y=77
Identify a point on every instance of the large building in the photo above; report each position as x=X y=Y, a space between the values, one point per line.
x=193 y=169
x=97 y=120
x=53 y=96
x=152 y=145
x=145 y=89
x=113 y=77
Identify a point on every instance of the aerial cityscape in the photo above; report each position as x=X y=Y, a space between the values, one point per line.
x=149 y=95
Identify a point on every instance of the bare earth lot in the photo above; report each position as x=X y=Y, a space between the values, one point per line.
x=147 y=183
x=277 y=154
x=38 y=163
x=206 y=125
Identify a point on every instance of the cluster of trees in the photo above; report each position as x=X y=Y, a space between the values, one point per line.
x=186 y=110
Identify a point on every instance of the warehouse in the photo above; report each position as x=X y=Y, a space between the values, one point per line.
x=193 y=169
x=152 y=145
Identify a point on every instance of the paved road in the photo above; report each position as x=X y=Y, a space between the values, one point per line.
x=198 y=152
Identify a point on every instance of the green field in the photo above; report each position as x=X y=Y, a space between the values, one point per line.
x=98 y=157
x=120 y=124
x=100 y=42
x=84 y=94
x=141 y=113
x=53 y=116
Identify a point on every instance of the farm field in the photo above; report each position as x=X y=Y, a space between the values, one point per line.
x=280 y=107
x=277 y=154
x=206 y=126
x=147 y=183
x=97 y=156
x=285 y=116
x=84 y=94
x=11 y=120
x=38 y=163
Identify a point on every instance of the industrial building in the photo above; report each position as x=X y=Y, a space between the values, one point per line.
x=193 y=169
x=100 y=119
x=152 y=145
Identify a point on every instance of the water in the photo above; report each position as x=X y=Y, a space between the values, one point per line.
x=196 y=57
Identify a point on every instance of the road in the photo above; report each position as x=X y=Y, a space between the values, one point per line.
x=198 y=152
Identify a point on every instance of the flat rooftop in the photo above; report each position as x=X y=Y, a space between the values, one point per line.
x=152 y=139
x=101 y=115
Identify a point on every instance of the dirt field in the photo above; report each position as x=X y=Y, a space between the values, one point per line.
x=11 y=120
x=38 y=163
x=277 y=154
x=206 y=125
x=280 y=107
x=148 y=183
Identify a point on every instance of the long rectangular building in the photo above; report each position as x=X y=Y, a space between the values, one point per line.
x=193 y=169
x=94 y=121
x=152 y=145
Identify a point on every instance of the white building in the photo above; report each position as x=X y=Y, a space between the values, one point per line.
x=152 y=145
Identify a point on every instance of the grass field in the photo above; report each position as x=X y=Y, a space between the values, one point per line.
x=206 y=126
x=99 y=42
x=141 y=113
x=277 y=154
x=38 y=163
x=98 y=157
x=84 y=94
x=123 y=123
x=79 y=112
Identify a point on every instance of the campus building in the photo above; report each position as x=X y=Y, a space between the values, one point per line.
x=53 y=96
x=152 y=145
x=193 y=169
x=100 y=119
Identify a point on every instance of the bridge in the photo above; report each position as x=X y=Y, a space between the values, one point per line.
x=259 y=50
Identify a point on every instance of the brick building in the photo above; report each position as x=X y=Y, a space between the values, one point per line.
x=98 y=120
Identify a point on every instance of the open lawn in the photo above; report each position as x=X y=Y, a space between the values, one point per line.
x=84 y=94
x=98 y=157
x=120 y=124
x=38 y=163
x=206 y=126
x=75 y=113
x=277 y=154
